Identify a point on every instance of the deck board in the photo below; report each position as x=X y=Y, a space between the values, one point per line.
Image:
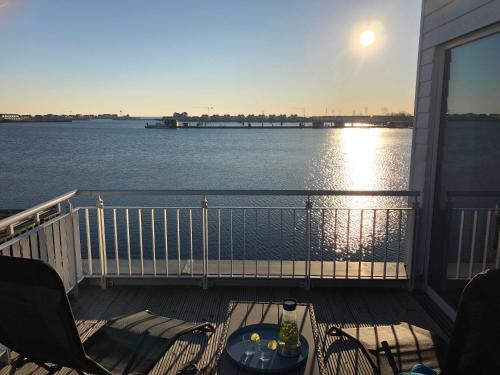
x=344 y=307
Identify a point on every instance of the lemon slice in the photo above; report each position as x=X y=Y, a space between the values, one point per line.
x=255 y=337
x=273 y=345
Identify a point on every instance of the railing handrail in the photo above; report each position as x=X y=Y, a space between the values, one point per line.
x=340 y=208
x=30 y=212
x=472 y=193
x=284 y=192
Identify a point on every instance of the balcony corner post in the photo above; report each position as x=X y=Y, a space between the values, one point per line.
x=204 y=208
x=414 y=238
x=101 y=240
x=308 y=243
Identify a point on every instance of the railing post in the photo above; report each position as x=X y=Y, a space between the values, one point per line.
x=308 y=243
x=412 y=266
x=101 y=240
x=75 y=255
x=204 y=212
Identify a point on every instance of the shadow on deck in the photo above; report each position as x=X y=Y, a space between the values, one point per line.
x=345 y=307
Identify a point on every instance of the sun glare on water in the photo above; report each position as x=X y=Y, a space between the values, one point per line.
x=367 y=38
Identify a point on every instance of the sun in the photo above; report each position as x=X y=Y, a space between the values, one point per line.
x=366 y=38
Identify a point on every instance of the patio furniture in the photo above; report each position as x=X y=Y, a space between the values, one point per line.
x=473 y=347
x=390 y=348
x=36 y=322
x=242 y=314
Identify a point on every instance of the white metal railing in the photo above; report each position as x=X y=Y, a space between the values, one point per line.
x=247 y=242
x=305 y=242
x=472 y=233
x=56 y=242
x=33 y=214
x=474 y=241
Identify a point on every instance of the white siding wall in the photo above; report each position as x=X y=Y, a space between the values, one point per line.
x=442 y=21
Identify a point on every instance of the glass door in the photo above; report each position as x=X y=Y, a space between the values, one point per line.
x=466 y=217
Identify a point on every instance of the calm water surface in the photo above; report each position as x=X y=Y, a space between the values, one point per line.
x=41 y=160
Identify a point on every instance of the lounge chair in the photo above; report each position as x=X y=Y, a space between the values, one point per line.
x=474 y=346
x=36 y=322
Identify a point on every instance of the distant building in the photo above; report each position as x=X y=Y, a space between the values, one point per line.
x=106 y=116
x=10 y=117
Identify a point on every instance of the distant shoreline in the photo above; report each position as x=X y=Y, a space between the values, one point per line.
x=30 y=121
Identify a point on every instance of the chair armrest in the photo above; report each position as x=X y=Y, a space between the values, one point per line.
x=390 y=357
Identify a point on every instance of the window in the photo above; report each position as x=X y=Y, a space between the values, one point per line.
x=465 y=222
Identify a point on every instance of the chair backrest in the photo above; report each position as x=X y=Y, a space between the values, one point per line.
x=475 y=341
x=36 y=320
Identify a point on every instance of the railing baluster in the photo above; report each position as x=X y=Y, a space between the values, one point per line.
x=400 y=227
x=117 y=258
x=256 y=248
x=127 y=222
x=153 y=239
x=473 y=244
x=293 y=247
x=322 y=238
x=141 y=250
x=89 y=243
x=231 y=238
x=497 y=262
x=207 y=247
x=348 y=247
x=386 y=242
x=486 y=239
x=335 y=220
x=307 y=272
x=244 y=240
x=191 y=241
x=165 y=229
x=360 y=242
x=281 y=242
x=204 y=205
x=373 y=242
x=460 y=236
x=104 y=248
x=99 y=208
x=218 y=241
x=268 y=240
x=178 y=243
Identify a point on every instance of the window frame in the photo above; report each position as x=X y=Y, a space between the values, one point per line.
x=438 y=99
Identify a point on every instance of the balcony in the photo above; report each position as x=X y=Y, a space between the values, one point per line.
x=190 y=261
x=300 y=242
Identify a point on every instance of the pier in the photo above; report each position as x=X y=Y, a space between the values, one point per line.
x=292 y=122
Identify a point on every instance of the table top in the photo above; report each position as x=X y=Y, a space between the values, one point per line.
x=241 y=314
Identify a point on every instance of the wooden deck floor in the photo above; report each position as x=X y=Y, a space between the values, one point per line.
x=346 y=307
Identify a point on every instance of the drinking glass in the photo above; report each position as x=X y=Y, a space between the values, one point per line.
x=249 y=345
x=266 y=349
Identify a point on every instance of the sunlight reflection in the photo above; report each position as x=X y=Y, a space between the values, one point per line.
x=349 y=231
x=360 y=150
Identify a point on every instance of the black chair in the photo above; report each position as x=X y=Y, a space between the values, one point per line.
x=474 y=347
x=36 y=322
x=475 y=340
x=391 y=349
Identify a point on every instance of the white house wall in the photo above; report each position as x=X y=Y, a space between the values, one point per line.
x=442 y=21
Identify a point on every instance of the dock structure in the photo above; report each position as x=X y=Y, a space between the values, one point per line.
x=292 y=122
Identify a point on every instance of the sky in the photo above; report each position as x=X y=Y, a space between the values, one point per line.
x=474 y=77
x=237 y=56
